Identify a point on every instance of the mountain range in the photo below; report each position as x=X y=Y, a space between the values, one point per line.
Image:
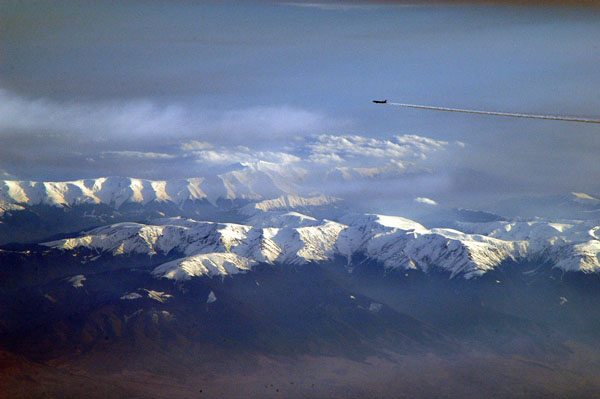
x=136 y=288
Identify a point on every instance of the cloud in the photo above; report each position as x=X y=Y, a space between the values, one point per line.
x=145 y=139
x=365 y=151
x=276 y=121
x=332 y=6
x=224 y=156
x=426 y=201
x=46 y=139
x=349 y=166
x=349 y=156
x=194 y=145
x=201 y=128
x=108 y=118
x=138 y=155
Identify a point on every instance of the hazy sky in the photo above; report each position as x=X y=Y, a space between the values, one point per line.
x=180 y=89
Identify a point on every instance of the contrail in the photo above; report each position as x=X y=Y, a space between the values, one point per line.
x=514 y=115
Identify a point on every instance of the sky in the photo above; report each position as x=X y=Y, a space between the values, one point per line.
x=166 y=90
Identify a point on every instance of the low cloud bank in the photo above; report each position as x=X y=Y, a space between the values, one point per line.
x=56 y=141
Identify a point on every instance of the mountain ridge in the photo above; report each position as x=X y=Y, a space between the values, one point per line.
x=223 y=248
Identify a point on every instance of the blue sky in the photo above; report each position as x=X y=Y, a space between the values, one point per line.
x=176 y=89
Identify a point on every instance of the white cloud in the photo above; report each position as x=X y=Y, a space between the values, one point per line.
x=195 y=145
x=123 y=119
x=426 y=201
x=353 y=156
x=340 y=165
x=321 y=158
x=224 y=156
x=138 y=155
x=369 y=151
x=133 y=117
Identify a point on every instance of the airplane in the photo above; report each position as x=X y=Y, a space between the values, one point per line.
x=380 y=102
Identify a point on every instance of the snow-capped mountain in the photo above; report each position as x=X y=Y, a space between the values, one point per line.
x=274 y=280
x=107 y=190
x=570 y=245
x=33 y=211
x=250 y=181
x=274 y=229
x=210 y=248
x=289 y=202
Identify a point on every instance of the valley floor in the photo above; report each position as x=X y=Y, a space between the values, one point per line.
x=472 y=375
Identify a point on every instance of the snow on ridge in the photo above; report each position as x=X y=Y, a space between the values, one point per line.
x=583 y=257
x=282 y=219
x=132 y=296
x=227 y=248
x=211 y=297
x=105 y=190
x=10 y=207
x=398 y=222
x=585 y=199
x=249 y=181
x=261 y=179
x=211 y=264
x=77 y=281
x=289 y=201
x=211 y=249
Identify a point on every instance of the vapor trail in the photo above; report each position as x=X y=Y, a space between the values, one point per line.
x=514 y=115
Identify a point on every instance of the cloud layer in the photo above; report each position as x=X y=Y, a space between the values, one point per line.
x=144 y=119
x=145 y=139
